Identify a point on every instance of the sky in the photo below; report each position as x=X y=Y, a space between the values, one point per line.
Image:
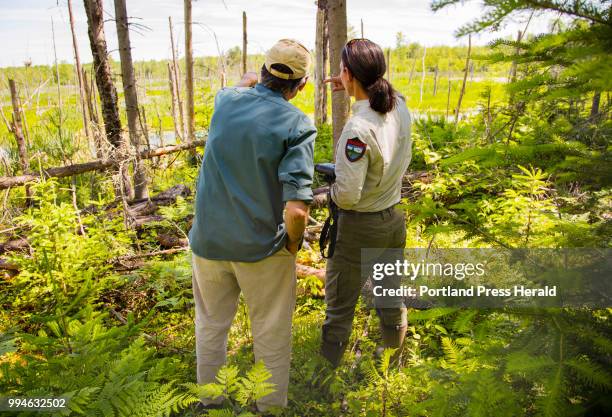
x=25 y=26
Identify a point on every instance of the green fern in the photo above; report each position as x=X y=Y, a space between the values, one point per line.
x=590 y=373
x=254 y=386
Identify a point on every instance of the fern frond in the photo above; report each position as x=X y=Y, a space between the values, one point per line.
x=385 y=361
x=452 y=352
x=523 y=362
x=552 y=404
x=464 y=320
x=590 y=373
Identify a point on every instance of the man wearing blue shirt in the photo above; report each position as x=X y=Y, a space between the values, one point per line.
x=251 y=209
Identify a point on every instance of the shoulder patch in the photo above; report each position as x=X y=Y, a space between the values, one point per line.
x=355 y=149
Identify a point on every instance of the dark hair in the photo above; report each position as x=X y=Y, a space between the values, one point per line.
x=366 y=61
x=278 y=84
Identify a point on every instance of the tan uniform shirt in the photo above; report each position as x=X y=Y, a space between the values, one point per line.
x=372 y=156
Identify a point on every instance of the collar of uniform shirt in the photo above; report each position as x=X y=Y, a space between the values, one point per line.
x=263 y=89
x=360 y=105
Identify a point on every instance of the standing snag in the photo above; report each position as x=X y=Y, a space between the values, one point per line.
x=106 y=88
x=79 y=71
x=17 y=130
x=465 y=74
x=189 y=73
x=131 y=97
x=337 y=26
x=321 y=60
x=244 y=42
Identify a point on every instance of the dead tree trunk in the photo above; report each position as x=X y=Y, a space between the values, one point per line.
x=423 y=74
x=177 y=81
x=189 y=73
x=448 y=97
x=131 y=97
x=435 y=87
x=465 y=74
x=60 y=106
x=337 y=27
x=106 y=88
x=172 y=85
x=92 y=101
x=514 y=66
x=17 y=130
x=79 y=71
x=92 y=110
x=412 y=70
x=244 y=42
x=321 y=45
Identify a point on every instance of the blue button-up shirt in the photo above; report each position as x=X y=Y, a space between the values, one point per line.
x=259 y=154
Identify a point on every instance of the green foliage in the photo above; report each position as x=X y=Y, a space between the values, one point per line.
x=529 y=166
x=239 y=393
x=64 y=264
x=100 y=371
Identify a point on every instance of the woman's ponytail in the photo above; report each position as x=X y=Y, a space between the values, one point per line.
x=381 y=95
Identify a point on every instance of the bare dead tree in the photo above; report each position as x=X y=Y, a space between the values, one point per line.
x=423 y=74
x=189 y=72
x=172 y=85
x=435 y=86
x=79 y=71
x=321 y=59
x=448 y=97
x=412 y=70
x=17 y=130
x=177 y=81
x=106 y=88
x=244 y=42
x=337 y=28
x=131 y=96
x=465 y=74
x=59 y=91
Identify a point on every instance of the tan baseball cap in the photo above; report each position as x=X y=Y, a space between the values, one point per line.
x=291 y=53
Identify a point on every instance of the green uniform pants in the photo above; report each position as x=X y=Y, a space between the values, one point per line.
x=344 y=280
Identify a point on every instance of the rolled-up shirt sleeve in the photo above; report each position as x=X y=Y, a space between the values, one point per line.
x=296 y=169
x=351 y=169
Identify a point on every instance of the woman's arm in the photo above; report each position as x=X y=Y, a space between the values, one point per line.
x=352 y=160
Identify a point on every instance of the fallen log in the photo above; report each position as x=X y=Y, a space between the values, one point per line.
x=99 y=164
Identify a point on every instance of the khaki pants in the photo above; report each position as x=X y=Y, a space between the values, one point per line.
x=269 y=290
x=343 y=278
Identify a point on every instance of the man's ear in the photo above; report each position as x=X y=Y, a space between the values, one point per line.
x=303 y=83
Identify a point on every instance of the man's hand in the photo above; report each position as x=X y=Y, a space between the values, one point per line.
x=296 y=218
x=293 y=247
x=249 y=79
x=336 y=83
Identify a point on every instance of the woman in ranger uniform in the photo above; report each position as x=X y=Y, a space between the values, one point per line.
x=372 y=155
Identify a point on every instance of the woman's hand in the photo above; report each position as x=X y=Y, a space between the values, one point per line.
x=336 y=83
